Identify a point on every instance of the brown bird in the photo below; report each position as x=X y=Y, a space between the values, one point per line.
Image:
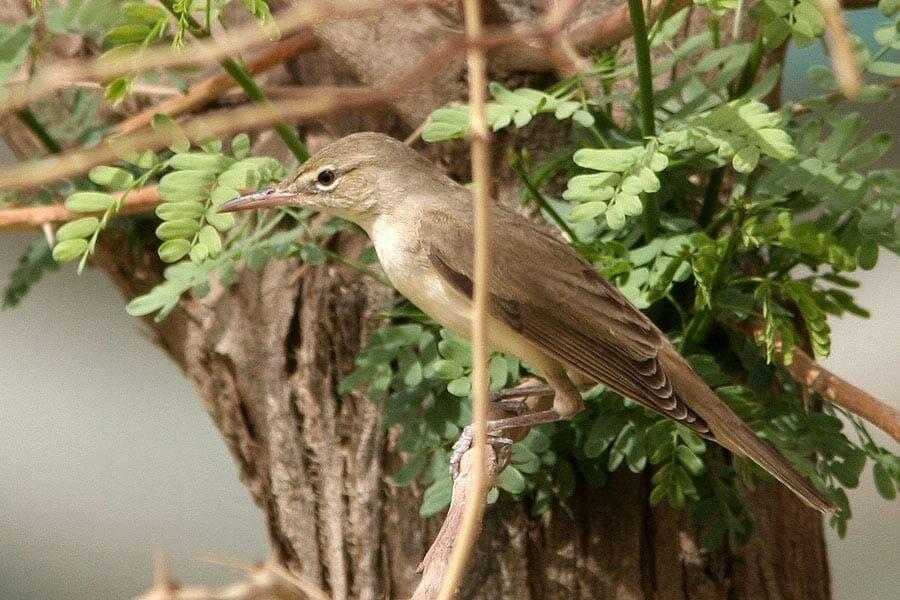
x=548 y=306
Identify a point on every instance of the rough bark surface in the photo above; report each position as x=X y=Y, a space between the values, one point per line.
x=268 y=352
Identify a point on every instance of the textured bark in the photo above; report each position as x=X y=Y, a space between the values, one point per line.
x=267 y=353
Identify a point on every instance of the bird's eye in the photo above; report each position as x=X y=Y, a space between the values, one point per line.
x=326 y=178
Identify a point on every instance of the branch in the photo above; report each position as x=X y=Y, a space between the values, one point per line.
x=648 y=116
x=34 y=218
x=473 y=509
x=817 y=378
x=264 y=581
x=316 y=102
x=210 y=89
x=65 y=73
x=800 y=108
x=434 y=566
x=843 y=58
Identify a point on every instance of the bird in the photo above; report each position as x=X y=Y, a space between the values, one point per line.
x=548 y=306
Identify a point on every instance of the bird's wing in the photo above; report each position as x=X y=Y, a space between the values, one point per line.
x=545 y=291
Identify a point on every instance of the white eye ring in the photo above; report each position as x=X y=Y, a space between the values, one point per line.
x=326 y=179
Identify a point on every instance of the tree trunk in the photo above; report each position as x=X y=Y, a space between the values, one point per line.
x=268 y=352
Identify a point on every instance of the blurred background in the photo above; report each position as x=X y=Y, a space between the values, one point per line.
x=108 y=459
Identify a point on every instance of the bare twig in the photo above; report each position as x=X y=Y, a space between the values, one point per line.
x=210 y=89
x=317 y=102
x=800 y=108
x=594 y=33
x=840 y=47
x=264 y=581
x=35 y=218
x=464 y=545
x=817 y=378
x=65 y=73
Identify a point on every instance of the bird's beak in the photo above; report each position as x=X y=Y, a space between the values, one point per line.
x=261 y=199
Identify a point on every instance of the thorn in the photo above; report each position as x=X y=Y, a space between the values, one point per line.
x=162 y=573
x=47 y=228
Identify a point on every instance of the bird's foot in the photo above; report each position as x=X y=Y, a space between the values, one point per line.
x=464 y=443
x=495 y=428
x=513 y=406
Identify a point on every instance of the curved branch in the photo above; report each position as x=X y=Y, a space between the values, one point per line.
x=817 y=378
x=210 y=89
x=813 y=376
x=34 y=218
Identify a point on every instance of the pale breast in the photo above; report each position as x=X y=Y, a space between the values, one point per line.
x=404 y=260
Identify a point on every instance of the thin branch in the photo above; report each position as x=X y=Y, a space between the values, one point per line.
x=208 y=90
x=64 y=73
x=517 y=165
x=317 y=102
x=30 y=120
x=34 y=218
x=265 y=581
x=586 y=35
x=244 y=79
x=817 y=378
x=464 y=544
x=840 y=47
x=434 y=566
x=800 y=108
x=645 y=95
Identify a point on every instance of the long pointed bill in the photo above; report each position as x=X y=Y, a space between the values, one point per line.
x=261 y=199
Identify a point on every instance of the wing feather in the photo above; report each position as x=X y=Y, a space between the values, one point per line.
x=567 y=309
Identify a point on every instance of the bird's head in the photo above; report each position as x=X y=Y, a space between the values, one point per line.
x=358 y=178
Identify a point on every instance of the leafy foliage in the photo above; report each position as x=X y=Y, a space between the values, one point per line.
x=782 y=168
x=517 y=108
x=764 y=212
x=36 y=261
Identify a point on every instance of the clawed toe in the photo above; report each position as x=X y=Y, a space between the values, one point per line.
x=464 y=443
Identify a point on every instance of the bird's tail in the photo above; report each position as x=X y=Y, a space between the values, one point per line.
x=730 y=431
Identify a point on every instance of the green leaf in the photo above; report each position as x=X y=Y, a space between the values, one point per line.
x=126 y=34
x=587 y=211
x=167 y=127
x=209 y=237
x=37 y=260
x=691 y=461
x=240 y=145
x=605 y=160
x=460 y=387
x=79 y=228
x=437 y=497
x=200 y=161
x=173 y=250
x=179 y=228
x=89 y=202
x=69 y=250
x=447 y=369
x=221 y=221
x=111 y=177
x=867 y=152
x=615 y=217
x=884 y=68
x=185 y=185
x=408 y=473
x=14 y=44
x=746 y=159
x=883 y=482
x=188 y=209
x=511 y=480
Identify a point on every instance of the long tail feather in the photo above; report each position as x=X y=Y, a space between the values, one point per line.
x=730 y=431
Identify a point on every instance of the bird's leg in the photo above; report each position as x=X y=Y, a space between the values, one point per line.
x=567 y=402
x=515 y=400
